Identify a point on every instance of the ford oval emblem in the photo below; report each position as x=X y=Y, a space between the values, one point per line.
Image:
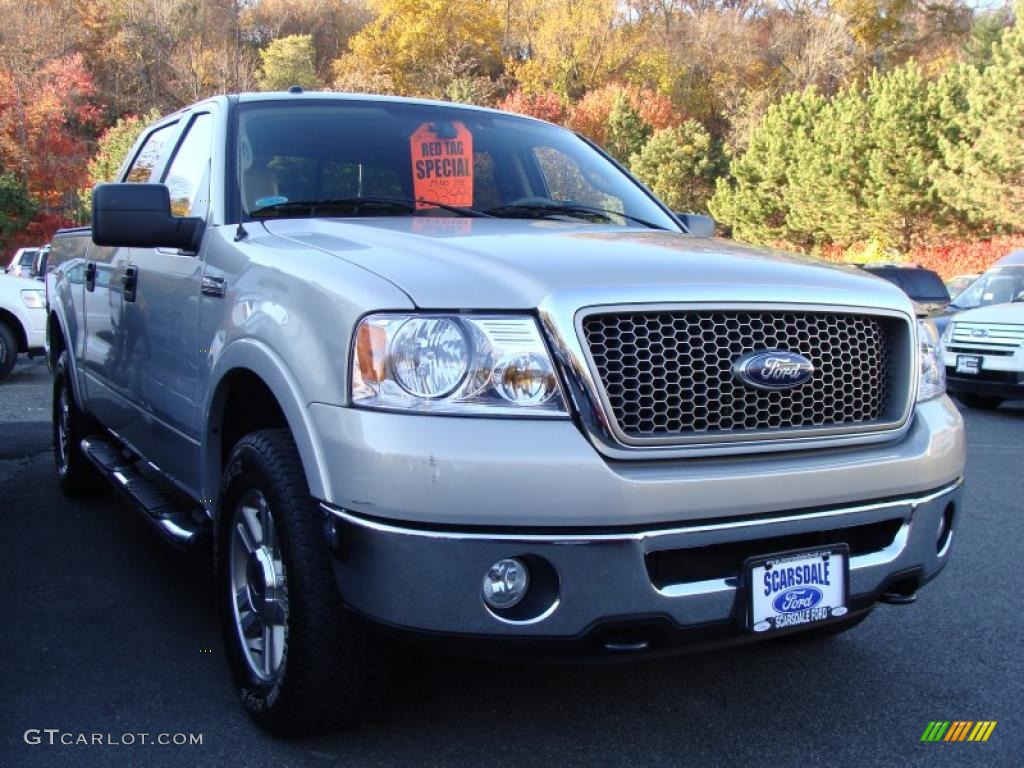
x=773 y=369
x=797 y=599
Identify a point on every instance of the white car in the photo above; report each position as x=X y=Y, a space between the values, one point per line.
x=983 y=351
x=21 y=262
x=22 y=319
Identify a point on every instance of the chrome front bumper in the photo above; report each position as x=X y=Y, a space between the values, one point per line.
x=429 y=578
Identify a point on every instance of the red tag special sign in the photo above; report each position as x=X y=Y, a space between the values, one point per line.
x=442 y=166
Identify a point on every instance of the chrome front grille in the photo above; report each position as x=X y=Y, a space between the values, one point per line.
x=987 y=338
x=666 y=376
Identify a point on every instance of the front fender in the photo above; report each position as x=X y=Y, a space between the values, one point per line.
x=256 y=357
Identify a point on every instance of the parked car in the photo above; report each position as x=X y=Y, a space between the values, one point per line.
x=22 y=320
x=442 y=372
x=21 y=263
x=956 y=284
x=983 y=348
x=1001 y=283
x=922 y=285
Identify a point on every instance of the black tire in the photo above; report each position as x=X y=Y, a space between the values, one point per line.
x=8 y=350
x=75 y=473
x=331 y=671
x=829 y=630
x=983 y=402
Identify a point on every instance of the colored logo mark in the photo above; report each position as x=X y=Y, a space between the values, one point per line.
x=958 y=730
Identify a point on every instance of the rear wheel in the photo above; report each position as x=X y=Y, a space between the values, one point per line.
x=8 y=350
x=303 y=663
x=984 y=402
x=76 y=475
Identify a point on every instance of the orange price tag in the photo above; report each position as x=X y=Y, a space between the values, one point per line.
x=442 y=166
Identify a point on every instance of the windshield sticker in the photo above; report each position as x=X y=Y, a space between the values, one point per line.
x=263 y=202
x=442 y=164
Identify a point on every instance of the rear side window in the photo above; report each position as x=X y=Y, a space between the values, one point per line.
x=144 y=164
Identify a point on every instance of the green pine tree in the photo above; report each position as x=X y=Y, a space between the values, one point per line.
x=627 y=130
x=754 y=201
x=981 y=174
x=680 y=165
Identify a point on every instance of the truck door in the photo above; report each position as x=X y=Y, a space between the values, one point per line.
x=106 y=360
x=161 y=320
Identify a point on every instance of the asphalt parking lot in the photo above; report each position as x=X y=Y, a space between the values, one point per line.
x=108 y=631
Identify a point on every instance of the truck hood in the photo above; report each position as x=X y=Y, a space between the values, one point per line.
x=1010 y=314
x=464 y=263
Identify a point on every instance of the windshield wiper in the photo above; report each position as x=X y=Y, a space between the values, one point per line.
x=398 y=205
x=540 y=209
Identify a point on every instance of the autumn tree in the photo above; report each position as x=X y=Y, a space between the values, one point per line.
x=288 y=61
x=573 y=46
x=43 y=118
x=546 y=105
x=421 y=47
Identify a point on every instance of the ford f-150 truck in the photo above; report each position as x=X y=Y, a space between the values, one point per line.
x=441 y=373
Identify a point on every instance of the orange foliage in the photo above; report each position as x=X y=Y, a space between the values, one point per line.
x=43 y=116
x=589 y=115
x=949 y=259
x=547 y=105
x=954 y=259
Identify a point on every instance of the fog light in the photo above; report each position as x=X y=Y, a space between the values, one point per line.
x=505 y=583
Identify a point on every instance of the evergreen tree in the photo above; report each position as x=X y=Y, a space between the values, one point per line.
x=680 y=165
x=900 y=198
x=825 y=197
x=627 y=130
x=754 y=201
x=981 y=175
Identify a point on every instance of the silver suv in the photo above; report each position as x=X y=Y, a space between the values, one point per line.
x=452 y=374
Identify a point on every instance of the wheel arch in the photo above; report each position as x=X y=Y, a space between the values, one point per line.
x=245 y=374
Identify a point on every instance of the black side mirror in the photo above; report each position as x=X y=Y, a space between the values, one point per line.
x=697 y=224
x=139 y=216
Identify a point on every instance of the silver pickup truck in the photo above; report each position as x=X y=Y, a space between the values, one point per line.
x=435 y=373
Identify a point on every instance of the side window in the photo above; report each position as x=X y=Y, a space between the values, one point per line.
x=145 y=162
x=566 y=181
x=188 y=177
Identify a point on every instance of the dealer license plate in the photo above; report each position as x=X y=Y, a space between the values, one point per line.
x=970 y=364
x=796 y=588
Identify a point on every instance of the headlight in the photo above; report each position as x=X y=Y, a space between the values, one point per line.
x=933 y=372
x=464 y=364
x=33 y=299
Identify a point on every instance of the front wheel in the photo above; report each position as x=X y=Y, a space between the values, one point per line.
x=303 y=664
x=983 y=402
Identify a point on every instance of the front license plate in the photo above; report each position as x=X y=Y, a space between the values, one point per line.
x=796 y=588
x=969 y=364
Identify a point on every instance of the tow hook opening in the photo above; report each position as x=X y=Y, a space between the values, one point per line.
x=625 y=640
x=945 y=528
x=902 y=591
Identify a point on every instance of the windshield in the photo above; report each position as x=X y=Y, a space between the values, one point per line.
x=370 y=158
x=997 y=286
